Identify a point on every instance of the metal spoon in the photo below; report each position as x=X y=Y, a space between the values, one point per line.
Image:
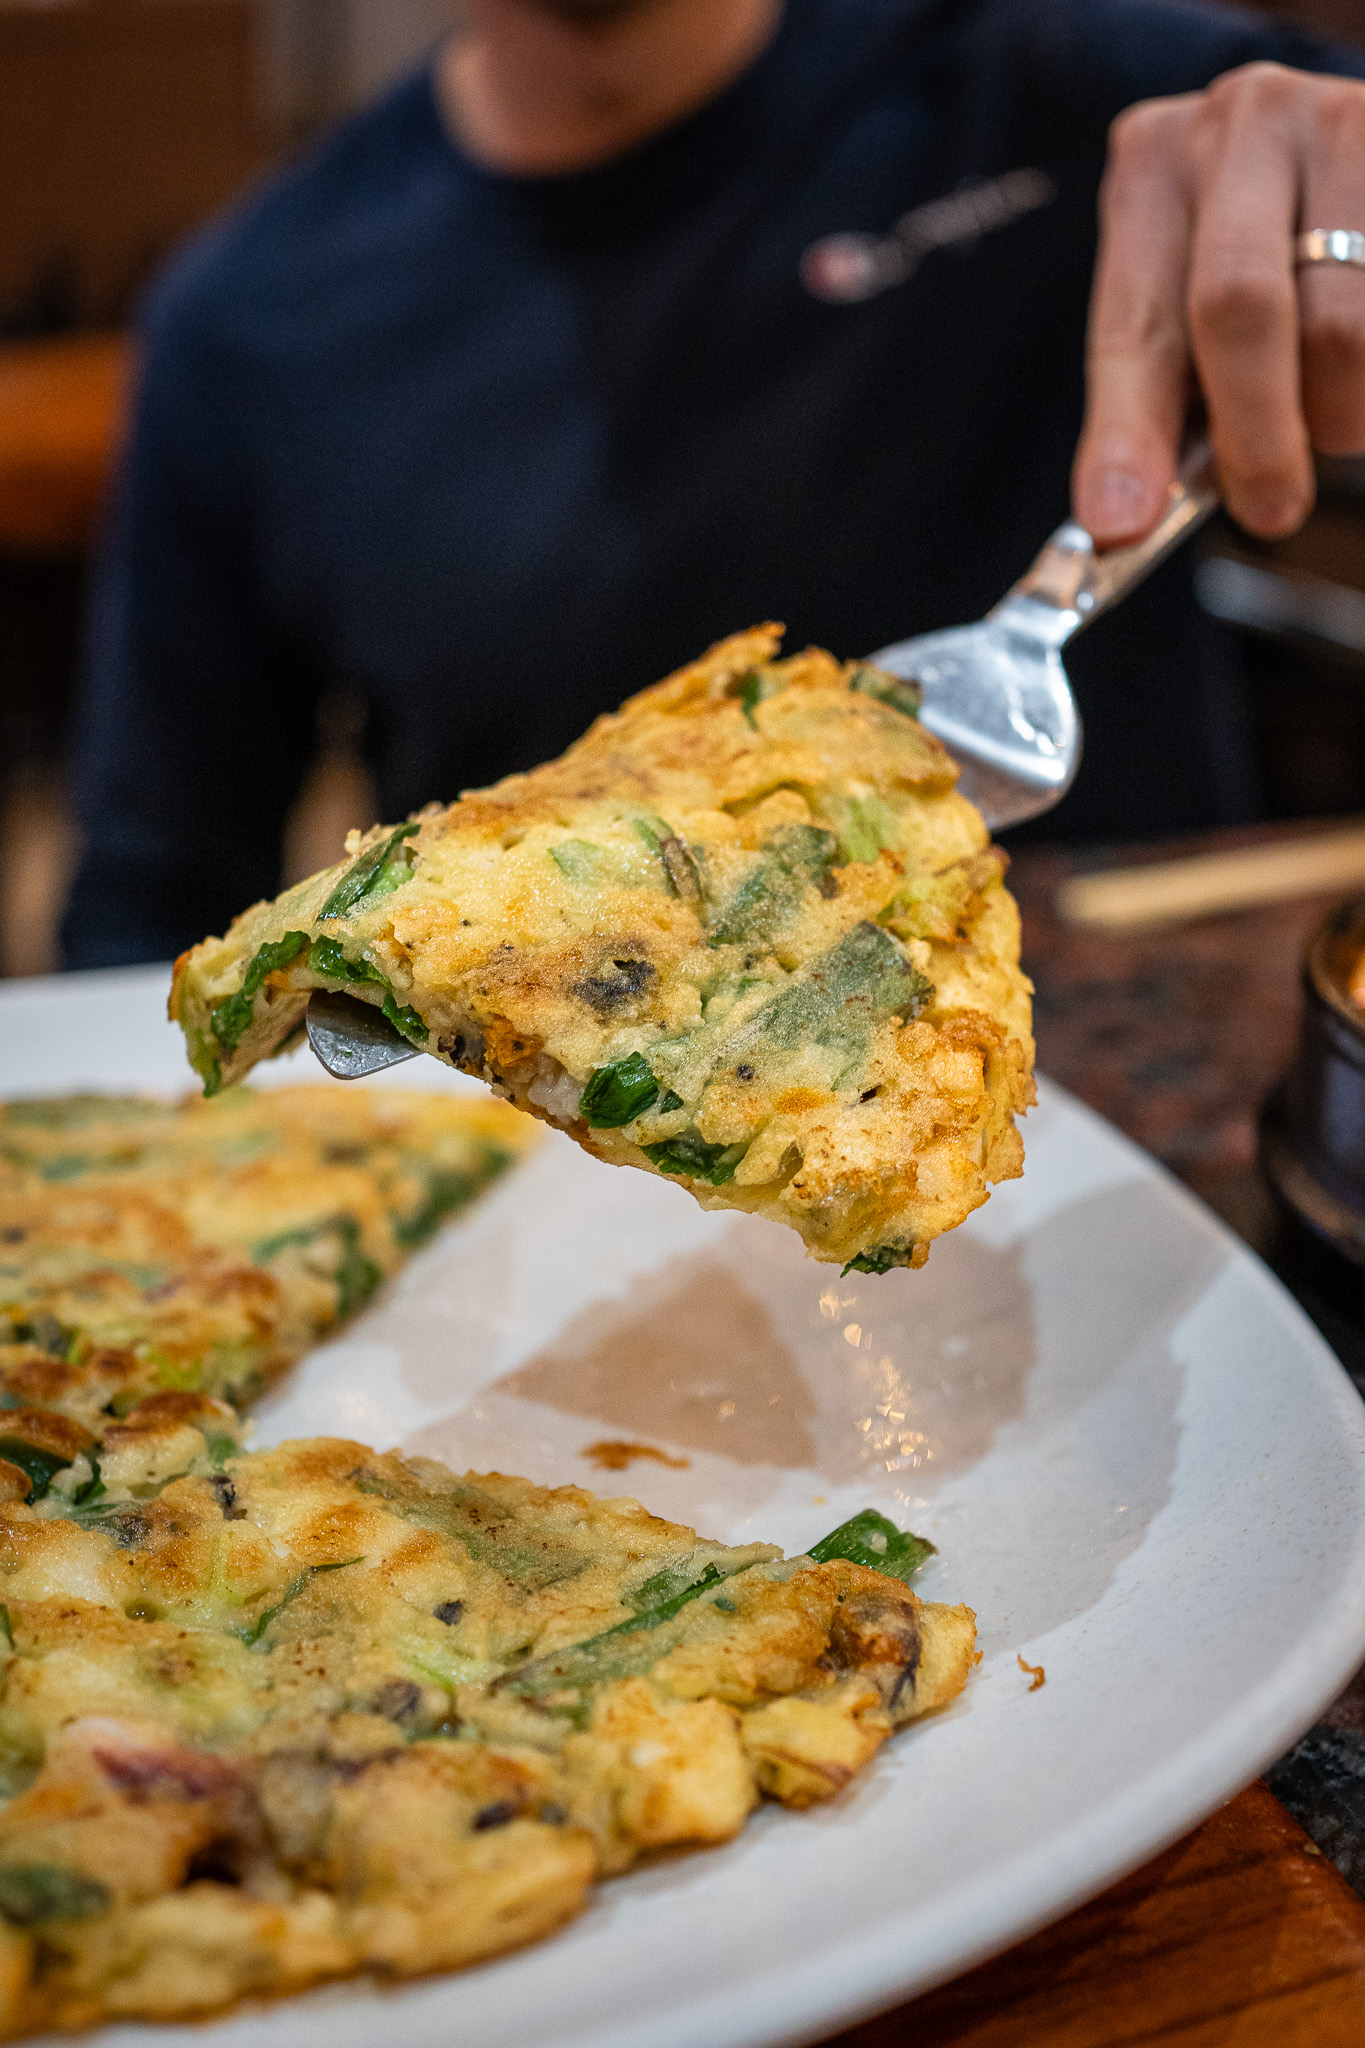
x=352 y=1038
x=995 y=693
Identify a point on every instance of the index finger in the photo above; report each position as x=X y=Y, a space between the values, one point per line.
x=1137 y=354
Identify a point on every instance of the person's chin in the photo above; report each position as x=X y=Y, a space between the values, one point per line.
x=588 y=13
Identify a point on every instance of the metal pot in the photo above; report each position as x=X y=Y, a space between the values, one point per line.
x=1313 y=1126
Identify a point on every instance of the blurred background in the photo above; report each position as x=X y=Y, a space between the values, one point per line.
x=123 y=123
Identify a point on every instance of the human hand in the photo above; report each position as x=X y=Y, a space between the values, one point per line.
x=1196 y=290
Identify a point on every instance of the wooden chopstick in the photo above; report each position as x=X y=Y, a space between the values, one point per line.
x=1204 y=884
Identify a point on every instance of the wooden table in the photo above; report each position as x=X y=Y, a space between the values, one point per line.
x=1244 y=1935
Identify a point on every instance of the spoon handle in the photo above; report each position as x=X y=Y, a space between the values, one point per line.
x=1072 y=585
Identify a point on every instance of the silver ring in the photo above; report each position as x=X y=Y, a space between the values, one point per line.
x=1331 y=245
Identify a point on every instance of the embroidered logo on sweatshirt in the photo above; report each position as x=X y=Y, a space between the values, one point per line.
x=845 y=268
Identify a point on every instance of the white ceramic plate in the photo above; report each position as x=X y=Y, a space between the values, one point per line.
x=1141 y=1466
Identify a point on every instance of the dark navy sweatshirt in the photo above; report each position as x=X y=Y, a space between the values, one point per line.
x=494 y=452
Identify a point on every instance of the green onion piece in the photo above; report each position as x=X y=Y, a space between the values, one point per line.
x=664 y=1610
x=406 y=1020
x=230 y=1018
x=750 y=691
x=658 y=1600
x=794 y=858
x=689 y=1155
x=839 y=998
x=880 y=1259
x=396 y=871
x=653 y=831
x=274 y=953
x=585 y=1663
x=866 y=827
x=618 y=1093
x=70 y=1166
x=266 y=1248
x=448 y=1189
x=31 y=1892
x=94 y=1486
x=326 y=957
x=206 y=1060
x=583 y=863
x=38 y=1467
x=178 y=1379
x=363 y=871
x=356 y=1276
x=868 y=1538
x=899 y=692
x=252 y=1635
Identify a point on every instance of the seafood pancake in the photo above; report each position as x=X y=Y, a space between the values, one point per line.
x=161 y=1262
x=268 y=1719
x=315 y=1710
x=745 y=933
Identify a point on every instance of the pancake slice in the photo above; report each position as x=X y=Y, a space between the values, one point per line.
x=161 y=1262
x=745 y=934
x=320 y=1710
x=269 y=1719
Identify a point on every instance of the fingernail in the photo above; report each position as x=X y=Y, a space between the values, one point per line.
x=1272 y=514
x=1116 y=502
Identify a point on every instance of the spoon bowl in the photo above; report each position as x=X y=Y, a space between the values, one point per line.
x=996 y=693
x=1001 y=704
